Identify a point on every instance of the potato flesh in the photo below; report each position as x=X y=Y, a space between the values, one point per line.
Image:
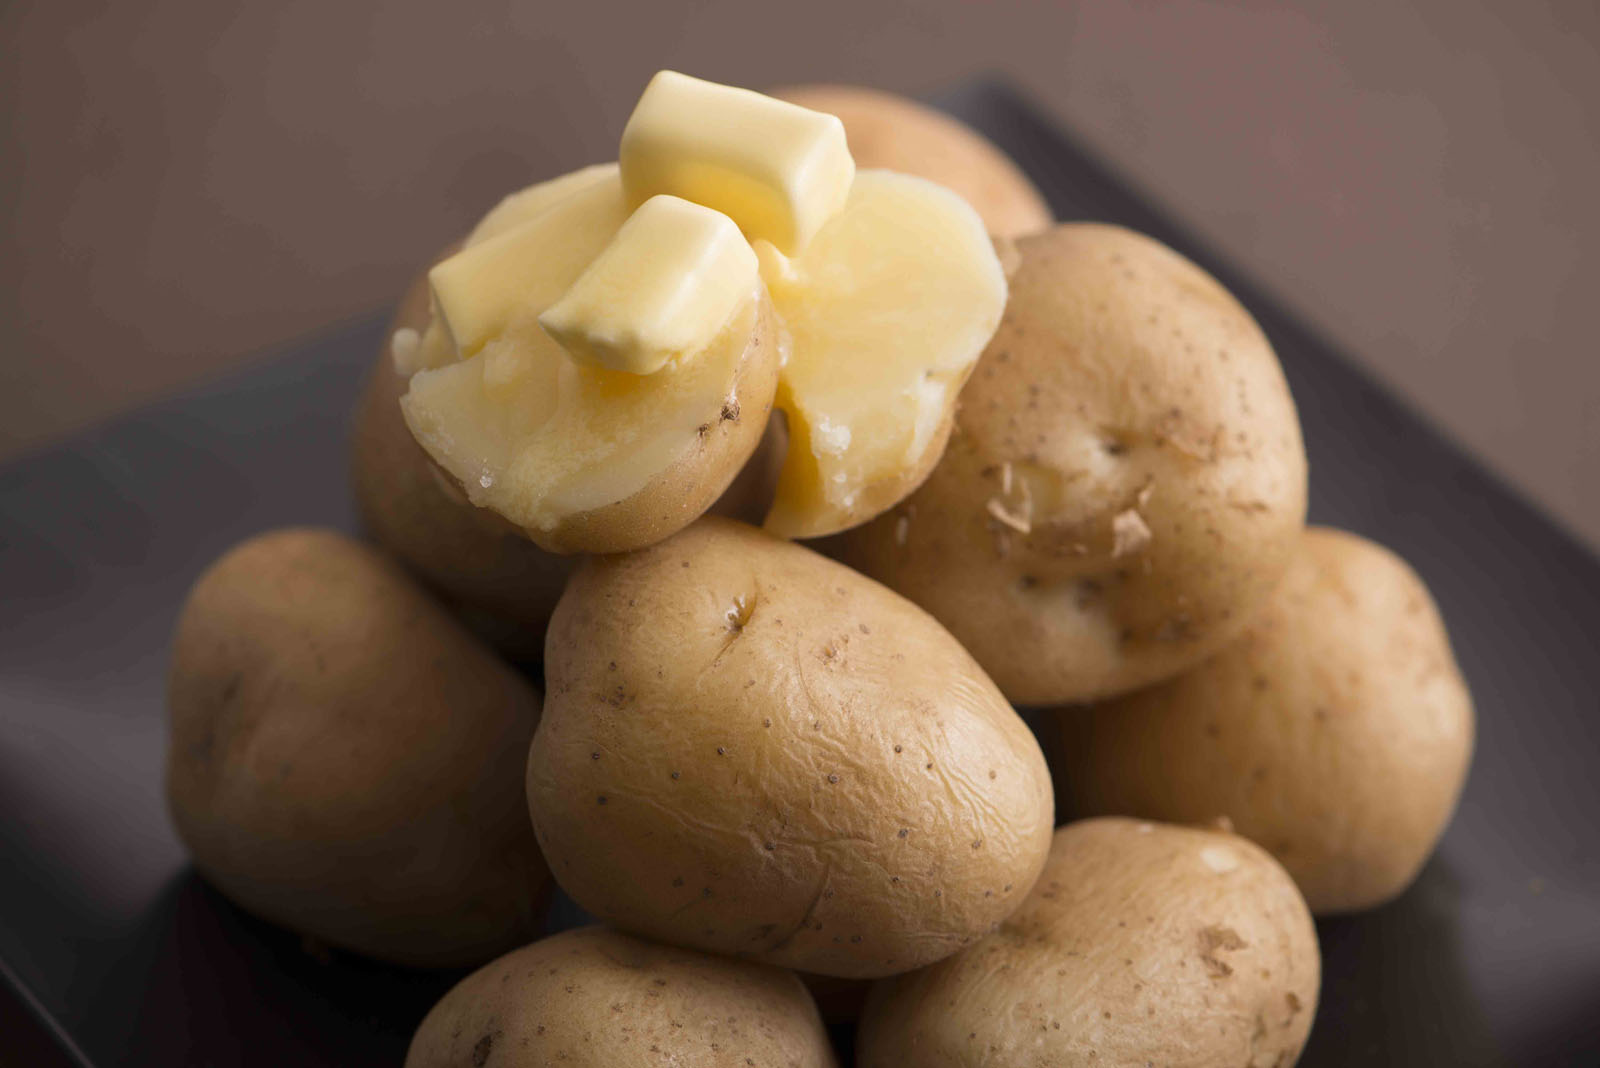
x=887 y=311
x=525 y=430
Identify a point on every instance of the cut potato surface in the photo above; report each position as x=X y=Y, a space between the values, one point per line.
x=887 y=312
x=1140 y=944
x=594 y=998
x=752 y=750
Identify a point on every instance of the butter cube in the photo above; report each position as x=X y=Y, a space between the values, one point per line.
x=780 y=171
x=663 y=289
x=486 y=287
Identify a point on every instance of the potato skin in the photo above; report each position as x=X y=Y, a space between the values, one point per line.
x=346 y=760
x=595 y=998
x=1125 y=484
x=1140 y=944
x=898 y=134
x=750 y=749
x=1336 y=731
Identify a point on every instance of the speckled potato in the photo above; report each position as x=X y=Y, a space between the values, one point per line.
x=1336 y=731
x=594 y=998
x=1125 y=484
x=503 y=585
x=889 y=131
x=752 y=750
x=346 y=760
x=1140 y=944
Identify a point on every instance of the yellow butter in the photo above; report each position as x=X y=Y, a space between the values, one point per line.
x=525 y=204
x=485 y=288
x=778 y=170
x=663 y=289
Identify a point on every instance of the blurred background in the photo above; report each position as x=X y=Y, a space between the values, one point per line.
x=187 y=186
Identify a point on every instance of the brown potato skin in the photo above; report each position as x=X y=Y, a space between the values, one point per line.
x=346 y=760
x=1122 y=382
x=502 y=585
x=1336 y=731
x=898 y=134
x=752 y=750
x=1133 y=949
x=595 y=998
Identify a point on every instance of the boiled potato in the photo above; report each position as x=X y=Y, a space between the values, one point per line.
x=898 y=134
x=750 y=749
x=1336 y=731
x=346 y=760
x=594 y=998
x=503 y=585
x=1125 y=484
x=1140 y=944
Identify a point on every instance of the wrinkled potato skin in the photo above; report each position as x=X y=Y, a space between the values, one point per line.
x=1336 y=731
x=892 y=132
x=594 y=998
x=1123 y=382
x=1137 y=946
x=503 y=585
x=346 y=760
x=752 y=750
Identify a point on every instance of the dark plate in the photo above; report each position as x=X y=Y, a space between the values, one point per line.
x=1492 y=958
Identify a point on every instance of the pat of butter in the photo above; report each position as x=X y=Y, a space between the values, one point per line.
x=777 y=169
x=663 y=289
x=486 y=287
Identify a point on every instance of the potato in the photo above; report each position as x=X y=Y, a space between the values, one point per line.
x=749 y=749
x=503 y=585
x=580 y=458
x=1140 y=944
x=1336 y=731
x=1125 y=484
x=345 y=760
x=594 y=998
x=898 y=134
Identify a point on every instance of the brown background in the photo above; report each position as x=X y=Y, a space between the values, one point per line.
x=185 y=185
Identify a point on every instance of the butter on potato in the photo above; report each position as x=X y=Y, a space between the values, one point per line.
x=1336 y=730
x=594 y=998
x=346 y=760
x=894 y=133
x=1140 y=944
x=751 y=750
x=1125 y=483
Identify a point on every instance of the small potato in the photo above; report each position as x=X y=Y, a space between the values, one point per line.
x=1125 y=484
x=503 y=585
x=594 y=998
x=1140 y=944
x=346 y=760
x=1336 y=731
x=752 y=750
x=897 y=134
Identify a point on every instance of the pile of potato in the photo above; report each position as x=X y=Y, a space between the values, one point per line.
x=777 y=772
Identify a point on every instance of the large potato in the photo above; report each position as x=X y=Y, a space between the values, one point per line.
x=503 y=585
x=1125 y=484
x=1336 y=731
x=892 y=132
x=344 y=759
x=593 y=998
x=1140 y=944
x=750 y=749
